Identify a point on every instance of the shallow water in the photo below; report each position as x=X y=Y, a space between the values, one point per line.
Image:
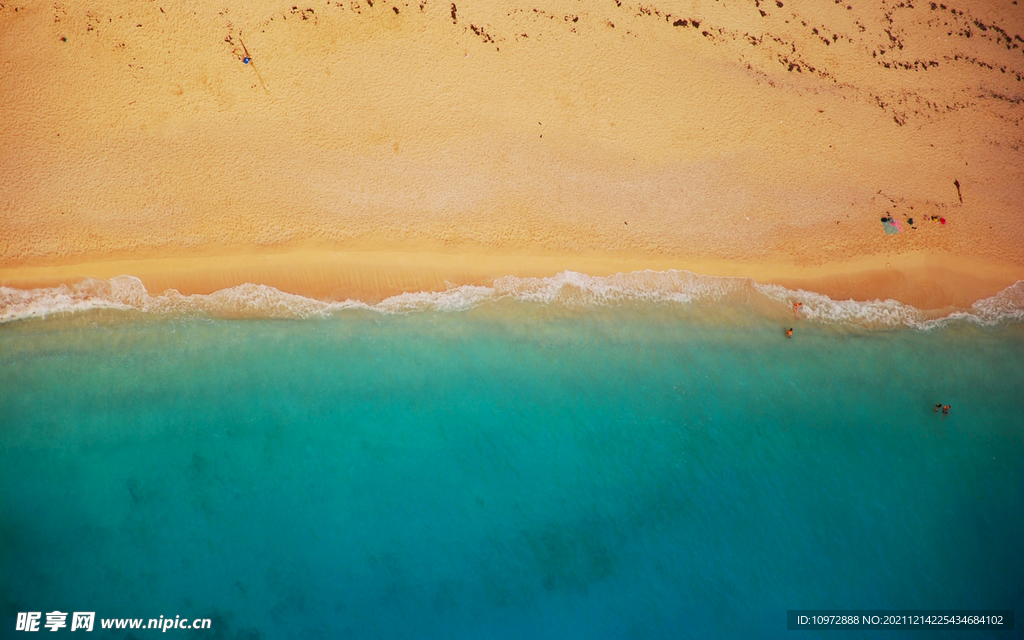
x=515 y=470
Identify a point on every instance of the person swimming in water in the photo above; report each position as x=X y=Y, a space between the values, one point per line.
x=938 y=405
x=945 y=410
x=789 y=332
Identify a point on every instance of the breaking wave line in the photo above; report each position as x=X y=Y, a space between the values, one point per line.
x=568 y=288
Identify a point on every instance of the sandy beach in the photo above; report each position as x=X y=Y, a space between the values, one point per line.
x=367 y=149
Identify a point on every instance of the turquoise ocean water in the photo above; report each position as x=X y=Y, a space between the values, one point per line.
x=514 y=470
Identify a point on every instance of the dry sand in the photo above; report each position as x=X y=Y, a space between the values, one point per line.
x=375 y=148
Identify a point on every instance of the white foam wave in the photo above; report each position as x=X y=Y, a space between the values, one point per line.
x=568 y=288
x=1008 y=304
x=818 y=307
x=1005 y=306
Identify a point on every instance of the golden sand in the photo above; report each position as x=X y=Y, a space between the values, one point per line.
x=375 y=148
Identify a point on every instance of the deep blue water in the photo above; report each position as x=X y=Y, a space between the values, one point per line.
x=515 y=471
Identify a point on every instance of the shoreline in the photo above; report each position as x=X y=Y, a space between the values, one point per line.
x=925 y=281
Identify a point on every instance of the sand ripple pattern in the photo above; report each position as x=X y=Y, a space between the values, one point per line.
x=567 y=288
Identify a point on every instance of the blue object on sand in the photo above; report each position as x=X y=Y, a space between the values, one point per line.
x=890 y=227
x=246 y=59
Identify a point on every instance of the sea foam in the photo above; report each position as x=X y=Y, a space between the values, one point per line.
x=568 y=288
